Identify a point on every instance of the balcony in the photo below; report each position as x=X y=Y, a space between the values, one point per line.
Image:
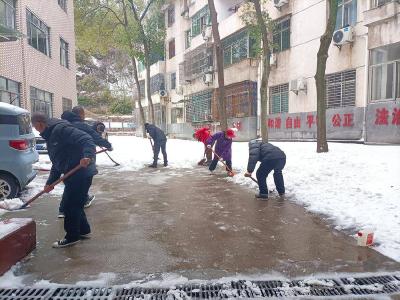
x=381 y=14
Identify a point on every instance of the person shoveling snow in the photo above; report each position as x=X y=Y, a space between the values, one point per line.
x=223 y=149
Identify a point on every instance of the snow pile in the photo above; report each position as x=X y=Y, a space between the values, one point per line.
x=7 y=228
x=10 y=204
x=355 y=186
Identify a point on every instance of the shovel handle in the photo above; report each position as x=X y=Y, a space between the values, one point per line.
x=219 y=157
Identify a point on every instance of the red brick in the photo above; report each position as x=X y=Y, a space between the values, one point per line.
x=17 y=240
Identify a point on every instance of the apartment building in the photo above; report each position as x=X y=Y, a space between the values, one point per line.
x=363 y=70
x=37 y=55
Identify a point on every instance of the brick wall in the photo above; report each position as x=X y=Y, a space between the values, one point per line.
x=21 y=62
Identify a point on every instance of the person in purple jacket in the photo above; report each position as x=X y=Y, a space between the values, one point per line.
x=223 y=148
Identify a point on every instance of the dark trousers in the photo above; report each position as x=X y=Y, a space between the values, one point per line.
x=163 y=146
x=265 y=168
x=75 y=191
x=214 y=163
x=62 y=203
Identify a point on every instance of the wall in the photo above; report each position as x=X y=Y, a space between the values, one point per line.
x=41 y=71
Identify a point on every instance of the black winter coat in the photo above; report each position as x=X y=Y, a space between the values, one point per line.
x=156 y=133
x=66 y=146
x=259 y=151
x=76 y=121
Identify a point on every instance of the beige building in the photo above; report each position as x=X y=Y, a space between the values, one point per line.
x=37 y=55
x=363 y=70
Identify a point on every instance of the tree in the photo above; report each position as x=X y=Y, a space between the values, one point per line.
x=102 y=25
x=148 y=31
x=322 y=57
x=219 y=54
x=261 y=25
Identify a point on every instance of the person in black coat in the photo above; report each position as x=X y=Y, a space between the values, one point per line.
x=68 y=147
x=160 y=142
x=271 y=158
x=77 y=122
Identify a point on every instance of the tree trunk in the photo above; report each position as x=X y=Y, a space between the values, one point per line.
x=322 y=57
x=219 y=54
x=266 y=70
x=136 y=78
x=146 y=57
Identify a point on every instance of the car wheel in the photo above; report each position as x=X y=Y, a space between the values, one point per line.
x=8 y=187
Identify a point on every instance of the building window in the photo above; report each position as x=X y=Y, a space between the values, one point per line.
x=198 y=107
x=341 y=89
x=198 y=61
x=237 y=47
x=7 y=13
x=377 y=3
x=347 y=13
x=281 y=37
x=41 y=101
x=200 y=20
x=173 y=81
x=384 y=74
x=188 y=39
x=10 y=91
x=66 y=104
x=171 y=48
x=171 y=15
x=279 y=99
x=63 y=4
x=176 y=113
x=157 y=83
x=64 y=53
x=38 y=33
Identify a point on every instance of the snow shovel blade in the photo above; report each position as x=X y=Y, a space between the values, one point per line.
x=202 y=162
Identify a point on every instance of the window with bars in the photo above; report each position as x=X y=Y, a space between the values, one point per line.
x=171 y=15
x=157 y=83
x=173 y=81
x=198 y=61
x=237 y=47
x=41 y=101
x=7 y=13
x=188 y=39
x=176 y=113
x=38 y=33
x=171 y=48
x=279 y=99
x=347 y=13
x=384 y=73
x=10 y=91
x=63 y=4
x=66 y=104
x=198 y=107
x=200 y=20
x=281 y=36
x=240 y=99
x=64 y=53
x=341 y=89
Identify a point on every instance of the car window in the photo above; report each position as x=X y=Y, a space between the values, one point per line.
x=8 y=120
x=24 y=122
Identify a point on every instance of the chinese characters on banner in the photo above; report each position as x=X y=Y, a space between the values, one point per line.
x=383 y=116
x=291 y=122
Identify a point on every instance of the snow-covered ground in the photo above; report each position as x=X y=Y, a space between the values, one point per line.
x=354 y=186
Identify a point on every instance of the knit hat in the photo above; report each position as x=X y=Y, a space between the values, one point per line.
x=230 y=133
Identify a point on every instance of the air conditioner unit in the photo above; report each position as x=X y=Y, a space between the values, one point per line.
x=298 y=85
x=207 y=33
x=280 y=3
x=273 y=60
x=185 y=14
x=208 y=78
x=163 y=93
x=343 y=36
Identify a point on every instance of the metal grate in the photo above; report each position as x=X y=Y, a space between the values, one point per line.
x=363 y=286
x=341 y=89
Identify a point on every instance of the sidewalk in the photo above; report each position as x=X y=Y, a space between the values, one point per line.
x=191 y=223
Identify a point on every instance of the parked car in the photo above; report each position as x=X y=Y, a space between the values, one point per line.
x=41 y=146
x=17 y=150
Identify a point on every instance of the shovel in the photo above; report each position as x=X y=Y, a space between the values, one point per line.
x=230 y=172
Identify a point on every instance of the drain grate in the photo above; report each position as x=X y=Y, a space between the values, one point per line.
x=361 y=286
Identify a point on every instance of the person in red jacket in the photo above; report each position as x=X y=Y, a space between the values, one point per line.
x=202 y=135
